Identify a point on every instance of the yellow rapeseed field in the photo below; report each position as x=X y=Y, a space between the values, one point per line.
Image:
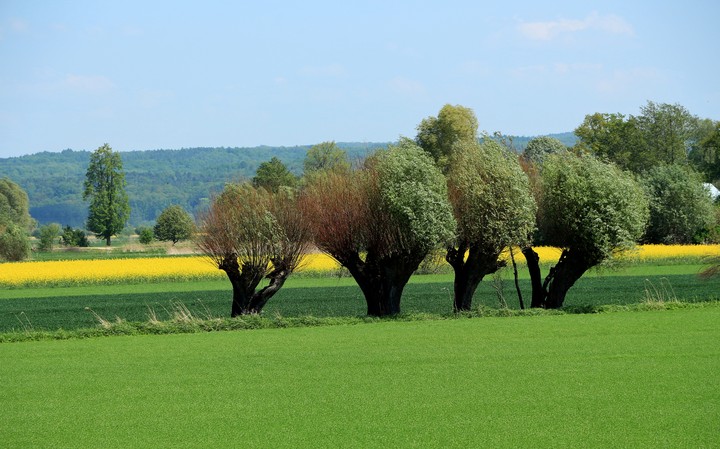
x=83 y=272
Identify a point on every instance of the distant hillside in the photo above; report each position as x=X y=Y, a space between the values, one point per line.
x=155 y=179
x=158 y=178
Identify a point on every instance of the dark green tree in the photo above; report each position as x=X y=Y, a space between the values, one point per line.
x=174 y=224
x=669 y=130
x=614 y=138
x=105 y=188
x=273 y=175
x=74 y=237
x=145 y=235
x=680 y=207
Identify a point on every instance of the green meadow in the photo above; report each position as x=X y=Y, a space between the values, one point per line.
x=620 y=379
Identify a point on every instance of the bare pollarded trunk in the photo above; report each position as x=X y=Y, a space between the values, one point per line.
x=470 y=272
x=245 y=279
x=382 y=279
x=551 y=292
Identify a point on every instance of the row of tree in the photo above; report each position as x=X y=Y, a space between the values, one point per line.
x=447 y=188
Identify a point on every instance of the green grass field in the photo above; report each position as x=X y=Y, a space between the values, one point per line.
x=622 y=379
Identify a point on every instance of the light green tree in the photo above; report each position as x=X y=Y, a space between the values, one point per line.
x=438 y=135
x=253 y=234
x=591 y=210
x=323 y=157
x=273 y=175
x=382 y=220
x=174 y=224
x=49 y=235
x=105 y=189
x=15 y=221
x=539 y=147
x=494 y=209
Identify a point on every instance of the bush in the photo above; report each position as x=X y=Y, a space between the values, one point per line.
x=48 y=235
x=74 y=237
x=145 y=235
x=14 y=244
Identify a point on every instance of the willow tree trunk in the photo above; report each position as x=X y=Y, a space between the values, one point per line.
x=382 y=279
x=551 y=293
x=470 y=272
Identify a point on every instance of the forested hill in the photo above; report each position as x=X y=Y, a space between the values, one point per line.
x=158 y=178
x=155 y=179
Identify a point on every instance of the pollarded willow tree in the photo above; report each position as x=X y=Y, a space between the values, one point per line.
x=15 y=221
x=251 y=234
x=591 y=210
x=493 y=208
x=382 y=220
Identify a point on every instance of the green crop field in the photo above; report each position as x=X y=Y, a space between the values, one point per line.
x=622 y=379
x=71 y=308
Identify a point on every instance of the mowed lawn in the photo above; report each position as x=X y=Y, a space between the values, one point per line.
x=622 y=379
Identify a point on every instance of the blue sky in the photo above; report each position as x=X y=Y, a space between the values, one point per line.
x=144 y=75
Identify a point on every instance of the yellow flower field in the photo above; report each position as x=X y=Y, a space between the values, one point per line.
x=188 y=268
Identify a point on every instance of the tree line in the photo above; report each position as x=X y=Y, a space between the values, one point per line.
x=448 y=188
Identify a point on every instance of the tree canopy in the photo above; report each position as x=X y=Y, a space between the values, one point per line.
x=273 y=175
x=438 y=135
x=381 y=221
x=539 y=147
x=174 y=224
x=15 y=221
x=325 y=156
x=493 y=207
x=105 y=188
x=591 y=210
x=251 y=233
x=680 y=207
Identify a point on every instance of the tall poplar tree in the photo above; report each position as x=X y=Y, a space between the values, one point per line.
x=105 y=189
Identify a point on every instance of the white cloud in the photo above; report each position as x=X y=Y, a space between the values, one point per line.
x=545 y=31
x=91 y=84
x=407 y=86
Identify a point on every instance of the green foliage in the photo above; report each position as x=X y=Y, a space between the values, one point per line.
x=668 y=130
x=145 y=235
x=14 y=205
x=325 y=156
x=490 y=196
x=74 y=237
x=105 y=188
x=174 y=224
x=706 y=155
x=590 y=206
x=438 y=135
x=48 y=235
x=273 y=175
x=14 y=243
x=414 y=193
x=680 y=207
x=539 y=147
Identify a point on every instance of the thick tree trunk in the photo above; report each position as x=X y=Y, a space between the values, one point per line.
x=470 y=272
x=107 y=241
x=571 y=266
x=244 y=280
x=533 y=264
x=382 y=279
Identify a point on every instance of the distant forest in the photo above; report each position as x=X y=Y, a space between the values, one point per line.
x=159 y=178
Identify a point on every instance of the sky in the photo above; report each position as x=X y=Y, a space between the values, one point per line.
x=143 y=75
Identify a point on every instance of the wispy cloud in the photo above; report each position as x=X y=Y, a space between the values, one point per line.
x=407 y=86
x=330 y=70
x=621 y=81
x=90 y=84
x=546 y=31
